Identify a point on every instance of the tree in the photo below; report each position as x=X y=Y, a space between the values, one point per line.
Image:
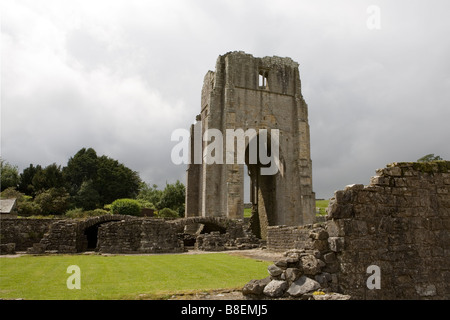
x=87 y=196
x=81 y=167
x=9 y=175
x=429 y=157
x=173 y=197
x=26 y=180
x=47 y=178
x=115 y=181
x=98 y=179
x=149 y=193
x=53 y=201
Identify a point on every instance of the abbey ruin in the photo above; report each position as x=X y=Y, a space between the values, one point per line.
x=249 y=93
x=397 y=226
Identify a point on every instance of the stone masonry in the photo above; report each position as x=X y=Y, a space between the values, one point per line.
x=24 y=232
x=399 y=223
x=245 y=93
x=123 y=234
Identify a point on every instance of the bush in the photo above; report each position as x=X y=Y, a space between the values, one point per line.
x=75 y=213
x=80 y=213
x=129 y=207
x=146 y=204
x=167 y=213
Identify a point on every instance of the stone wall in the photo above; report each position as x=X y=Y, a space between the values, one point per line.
x=23 y=232
x=283 y=238
x=138 y=236
x=122 y=234
x=400 y=222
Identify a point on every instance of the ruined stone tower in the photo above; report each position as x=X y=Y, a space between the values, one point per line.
x=245 y=93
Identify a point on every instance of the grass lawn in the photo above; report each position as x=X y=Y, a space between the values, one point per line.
x=322 y=205
x=247 y=212
x=125 y=277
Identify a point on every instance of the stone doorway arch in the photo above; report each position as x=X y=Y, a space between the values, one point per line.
x=87 y=239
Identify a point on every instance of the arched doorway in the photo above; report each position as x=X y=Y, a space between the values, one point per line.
x=263 y=191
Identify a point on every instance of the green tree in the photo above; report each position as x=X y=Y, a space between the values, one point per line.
x=26 y=180
x=429 y=157
x=9 y=175
x=81 y=167
x=115 y=181
x=149 y=193
x=53 y=201
x=47 y=178
x=87 y=196
x=173 y=197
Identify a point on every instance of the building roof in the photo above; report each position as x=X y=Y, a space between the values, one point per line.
x=7 y=205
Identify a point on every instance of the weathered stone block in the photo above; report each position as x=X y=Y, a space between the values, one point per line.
x=274 y=271
x=292 y=274
x=255 y=287
x=310 y=265
x=275 y=288
x=302 y=285
x=336 y=243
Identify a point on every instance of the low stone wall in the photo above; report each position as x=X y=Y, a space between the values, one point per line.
x=120 y=234
x=138 y=236
x=283 y=238
x=24 y=232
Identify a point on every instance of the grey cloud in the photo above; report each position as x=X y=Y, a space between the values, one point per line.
x=121 y=78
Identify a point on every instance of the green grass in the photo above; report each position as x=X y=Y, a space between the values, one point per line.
x=322 y=205
x=125 y=277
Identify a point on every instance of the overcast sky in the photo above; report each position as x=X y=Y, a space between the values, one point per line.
x=120 y=76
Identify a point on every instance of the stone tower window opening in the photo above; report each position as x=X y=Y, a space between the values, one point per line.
x=262 y=79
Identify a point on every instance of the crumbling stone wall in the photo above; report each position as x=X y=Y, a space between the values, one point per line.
x=400 y=222
x=23 y=232
x=123 y=234
x=307 y=272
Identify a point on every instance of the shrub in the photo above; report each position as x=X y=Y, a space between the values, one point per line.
x=75 y=213
x=146 y=204
x=129 y=207
x=98 y=212
x=167 y=213
x=80 y=213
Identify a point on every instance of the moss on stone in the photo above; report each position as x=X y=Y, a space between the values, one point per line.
x=440 y=166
